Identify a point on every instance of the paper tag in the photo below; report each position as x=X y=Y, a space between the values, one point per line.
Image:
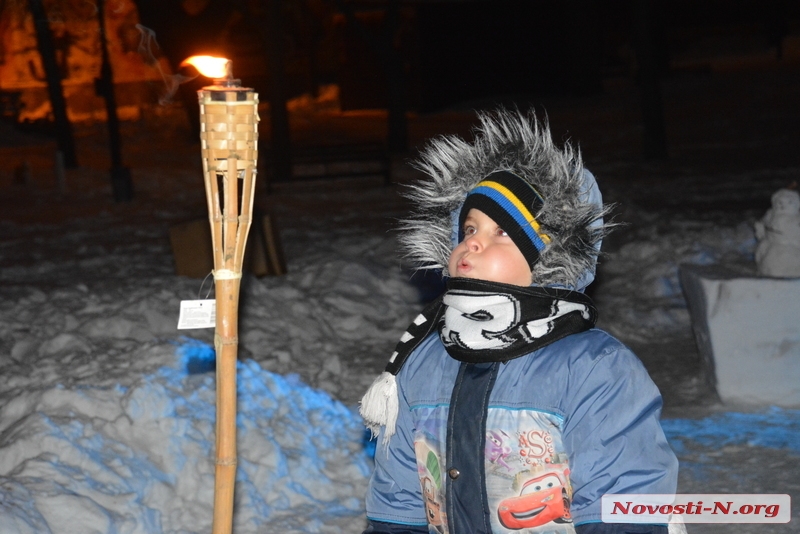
x=197 y=314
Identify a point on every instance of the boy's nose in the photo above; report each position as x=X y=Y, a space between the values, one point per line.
x=473 y=243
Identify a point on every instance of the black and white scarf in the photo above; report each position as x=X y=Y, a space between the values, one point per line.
x=480 y=321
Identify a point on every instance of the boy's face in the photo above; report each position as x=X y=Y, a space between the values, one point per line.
x=487 y=253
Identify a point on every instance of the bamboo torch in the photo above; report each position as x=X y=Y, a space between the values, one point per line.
x=229 y=146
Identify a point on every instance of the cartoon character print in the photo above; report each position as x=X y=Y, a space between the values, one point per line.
x=525 y=464
x=542 y=498
x=433 y=508
x=527 y=473
x=497 y=448
x=430 y=476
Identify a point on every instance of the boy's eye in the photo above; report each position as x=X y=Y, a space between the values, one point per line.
x=502 y=232
x=469 y=230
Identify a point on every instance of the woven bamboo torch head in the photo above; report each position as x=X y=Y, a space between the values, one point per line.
x=229 y=147
x=229 y=129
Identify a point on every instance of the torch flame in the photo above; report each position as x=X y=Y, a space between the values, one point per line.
x=210 y=66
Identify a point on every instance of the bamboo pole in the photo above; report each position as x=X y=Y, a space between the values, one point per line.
x=229 y=146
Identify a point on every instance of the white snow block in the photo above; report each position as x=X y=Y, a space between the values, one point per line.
x=748 y=332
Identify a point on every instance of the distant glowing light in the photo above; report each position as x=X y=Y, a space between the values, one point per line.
x=209 y=66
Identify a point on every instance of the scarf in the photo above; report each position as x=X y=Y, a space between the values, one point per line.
x=480 y=321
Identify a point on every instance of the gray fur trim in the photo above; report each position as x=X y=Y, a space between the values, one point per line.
x=519 y=143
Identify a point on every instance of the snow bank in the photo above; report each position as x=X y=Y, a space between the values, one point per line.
x=639 y=294
x=107 y=414
x=139 y=458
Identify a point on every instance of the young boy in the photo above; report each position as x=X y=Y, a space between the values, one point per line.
x=503 y=409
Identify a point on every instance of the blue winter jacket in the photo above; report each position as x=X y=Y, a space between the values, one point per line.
x=530 y=445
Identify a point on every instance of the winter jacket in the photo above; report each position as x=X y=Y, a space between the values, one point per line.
x=529 y=445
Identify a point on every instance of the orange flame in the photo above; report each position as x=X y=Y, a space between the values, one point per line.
x=209 y=66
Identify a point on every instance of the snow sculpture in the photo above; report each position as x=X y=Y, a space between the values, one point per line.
x=746 y=326
x=778 y=234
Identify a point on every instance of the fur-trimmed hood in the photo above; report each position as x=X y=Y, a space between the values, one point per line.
x=572 y=212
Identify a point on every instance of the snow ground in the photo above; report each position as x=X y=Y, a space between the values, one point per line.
x=107 y=411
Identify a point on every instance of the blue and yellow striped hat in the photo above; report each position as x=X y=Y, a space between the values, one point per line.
x=513 y=204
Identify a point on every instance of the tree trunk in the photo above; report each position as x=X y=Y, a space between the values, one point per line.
x=44 y=41
x=121 y=184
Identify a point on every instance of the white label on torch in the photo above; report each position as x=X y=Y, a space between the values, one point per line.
x=197 y=314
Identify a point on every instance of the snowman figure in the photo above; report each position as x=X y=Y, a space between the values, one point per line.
x=778 y=234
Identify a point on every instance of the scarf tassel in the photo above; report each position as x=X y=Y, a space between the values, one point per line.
x=380 y=406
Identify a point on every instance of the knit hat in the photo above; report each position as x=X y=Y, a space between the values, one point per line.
x=512 y=203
